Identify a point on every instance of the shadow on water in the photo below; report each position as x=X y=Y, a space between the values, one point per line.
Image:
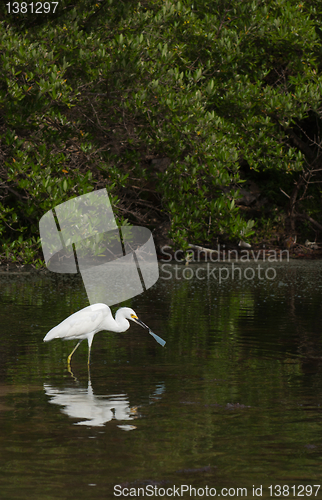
x=232 y=401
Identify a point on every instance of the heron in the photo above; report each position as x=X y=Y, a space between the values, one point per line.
x=85 y=323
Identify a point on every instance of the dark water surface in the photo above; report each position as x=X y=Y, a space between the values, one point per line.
x=233 y=401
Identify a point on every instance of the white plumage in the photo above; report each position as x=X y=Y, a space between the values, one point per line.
x=92 y=319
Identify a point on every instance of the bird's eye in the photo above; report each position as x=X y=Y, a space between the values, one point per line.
x=133 y=316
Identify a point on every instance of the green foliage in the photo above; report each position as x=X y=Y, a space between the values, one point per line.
x=88 y=94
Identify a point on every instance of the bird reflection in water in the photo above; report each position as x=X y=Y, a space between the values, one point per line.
x=82 y=403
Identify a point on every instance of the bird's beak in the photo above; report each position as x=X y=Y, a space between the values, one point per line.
x=139 y=322
x=156 y=337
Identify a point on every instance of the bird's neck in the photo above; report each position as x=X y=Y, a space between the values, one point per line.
x=122 y=324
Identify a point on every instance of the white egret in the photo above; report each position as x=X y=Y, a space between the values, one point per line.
x=85 y=323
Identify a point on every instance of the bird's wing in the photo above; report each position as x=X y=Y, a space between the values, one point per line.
x=79 y=324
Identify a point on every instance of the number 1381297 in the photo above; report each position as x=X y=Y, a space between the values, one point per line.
x=295 y=491
x=32 y=8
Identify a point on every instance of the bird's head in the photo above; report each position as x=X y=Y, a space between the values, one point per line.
x=128 y=314
x=131 y=315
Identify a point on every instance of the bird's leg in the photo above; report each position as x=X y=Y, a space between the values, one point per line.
x=89 y=340
x=70 y=356
x=89 y=357
x=71 y=373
